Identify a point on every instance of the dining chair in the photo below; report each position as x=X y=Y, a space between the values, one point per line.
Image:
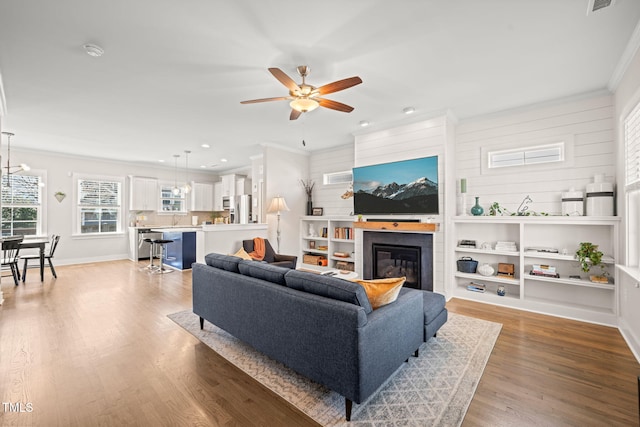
x=10 y=254
x=53 y=244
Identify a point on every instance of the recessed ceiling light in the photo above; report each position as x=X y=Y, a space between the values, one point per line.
x=203 y=166
x=364 y=123
x=223 y=160
x=93 y=50
x=161 y=160
x=205 y=146
x=409 y=110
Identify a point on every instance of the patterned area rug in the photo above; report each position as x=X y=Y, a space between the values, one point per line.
x=434 y=389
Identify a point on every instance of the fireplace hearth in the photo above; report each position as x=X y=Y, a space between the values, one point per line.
x=397 y=254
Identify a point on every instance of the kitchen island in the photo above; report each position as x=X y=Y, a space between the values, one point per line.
x=225 y=238
x=181 y=252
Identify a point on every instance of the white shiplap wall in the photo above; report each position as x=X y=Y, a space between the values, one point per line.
x=328 y=196
x=589 y=121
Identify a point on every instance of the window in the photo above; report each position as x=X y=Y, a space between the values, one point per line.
x=22 y=204
x=99 y=205
x=344 y=177
x=527 y=156
x=172 y=199
x=632 y=185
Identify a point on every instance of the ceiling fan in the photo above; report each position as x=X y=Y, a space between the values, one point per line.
x=305 y=97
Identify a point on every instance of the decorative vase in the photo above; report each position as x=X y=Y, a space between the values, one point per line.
x=309 y=207
x=477 y=210
x=485 y=270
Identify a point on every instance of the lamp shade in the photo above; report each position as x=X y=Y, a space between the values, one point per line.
x=277 y=205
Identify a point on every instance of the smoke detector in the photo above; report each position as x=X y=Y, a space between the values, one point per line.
x=596 y=5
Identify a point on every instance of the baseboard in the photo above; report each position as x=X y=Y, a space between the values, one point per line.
x=632 y=341
x=89 y=260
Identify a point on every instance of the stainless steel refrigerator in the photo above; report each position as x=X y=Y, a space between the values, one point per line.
x=242 y=211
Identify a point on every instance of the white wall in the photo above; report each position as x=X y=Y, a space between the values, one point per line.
x=588 y=121
x=60 y=168
x=327 y=197
x=283 y=171
x=627 y=95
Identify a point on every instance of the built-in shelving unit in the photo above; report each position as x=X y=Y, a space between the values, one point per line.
x=567 y=295
x=327 y=236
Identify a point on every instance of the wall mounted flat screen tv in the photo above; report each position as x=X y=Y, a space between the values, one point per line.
x=404 y=187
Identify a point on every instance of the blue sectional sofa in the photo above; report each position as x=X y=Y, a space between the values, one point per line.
x=321 y=327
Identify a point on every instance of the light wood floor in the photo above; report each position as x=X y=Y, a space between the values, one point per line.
x=95 y=347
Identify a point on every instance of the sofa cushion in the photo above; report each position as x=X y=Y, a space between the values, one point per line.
x=330 y=287
x=264 y=271
x=433 y=305
x=223 y=262
x=382 y=291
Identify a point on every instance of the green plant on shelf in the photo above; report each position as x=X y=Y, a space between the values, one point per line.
x=589 y=256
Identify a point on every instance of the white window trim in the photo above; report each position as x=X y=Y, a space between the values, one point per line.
x=185 y=198
x=75 y=227
x=326 y=177
x=568 y=140
x=42 y=221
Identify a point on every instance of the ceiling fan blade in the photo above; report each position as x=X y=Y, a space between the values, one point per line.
x=334 y=105
x=294 y=114
x=339 y=85
x=284 y=79
x=278 y=98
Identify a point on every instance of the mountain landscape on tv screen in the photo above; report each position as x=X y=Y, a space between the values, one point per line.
x=419 y=196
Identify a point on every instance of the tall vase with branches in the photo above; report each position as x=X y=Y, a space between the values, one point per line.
x=308 y=188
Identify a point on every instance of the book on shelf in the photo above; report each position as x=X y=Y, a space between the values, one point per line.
x=543 y=274
x=506 y=246
x=345 y=233
x=476 y=287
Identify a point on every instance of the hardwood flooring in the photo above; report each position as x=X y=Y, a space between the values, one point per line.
x=95 y=347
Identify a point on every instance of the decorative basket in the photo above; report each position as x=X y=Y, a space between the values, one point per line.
x=467 y=265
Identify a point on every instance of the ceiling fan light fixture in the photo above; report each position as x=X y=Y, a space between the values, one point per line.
x=304 y=104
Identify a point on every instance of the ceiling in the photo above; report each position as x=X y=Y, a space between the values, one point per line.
x=173 y=73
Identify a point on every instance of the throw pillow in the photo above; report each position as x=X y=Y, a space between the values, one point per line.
x=382 y=291
x=242 y=254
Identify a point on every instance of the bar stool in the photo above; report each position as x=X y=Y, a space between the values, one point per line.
x=161 y=243
x=152 y=247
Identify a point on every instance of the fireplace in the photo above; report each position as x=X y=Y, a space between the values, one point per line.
x=397 y=261
x=397 y=254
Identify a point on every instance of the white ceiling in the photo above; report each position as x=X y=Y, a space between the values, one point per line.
x=174 y=72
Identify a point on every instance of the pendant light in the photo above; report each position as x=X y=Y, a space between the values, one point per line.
x=187 y=187
x=12 y=169
x=176 y=190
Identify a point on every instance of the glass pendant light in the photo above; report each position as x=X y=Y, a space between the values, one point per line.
x=176 y=190
x=187 y=187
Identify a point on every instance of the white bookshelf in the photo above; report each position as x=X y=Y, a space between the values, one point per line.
x=332 y=243
x=577 y=298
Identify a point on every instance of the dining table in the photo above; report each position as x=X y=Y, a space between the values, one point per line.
x=36 y=242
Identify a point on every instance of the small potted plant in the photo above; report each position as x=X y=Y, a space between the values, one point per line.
x=59 y=195
x=589 y=256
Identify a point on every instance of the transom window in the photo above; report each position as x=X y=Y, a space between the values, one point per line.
x=21 y=205
x=547 y=153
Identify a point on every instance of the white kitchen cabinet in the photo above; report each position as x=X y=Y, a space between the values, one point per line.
x=243 y=185
x=202 y=196
x=217 y=196
x=541 y=241
x=143 y=193
x=228 y=185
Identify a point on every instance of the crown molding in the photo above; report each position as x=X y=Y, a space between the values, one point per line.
x=625 y=60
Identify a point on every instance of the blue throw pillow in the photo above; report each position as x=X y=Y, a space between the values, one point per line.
x=330 y=287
